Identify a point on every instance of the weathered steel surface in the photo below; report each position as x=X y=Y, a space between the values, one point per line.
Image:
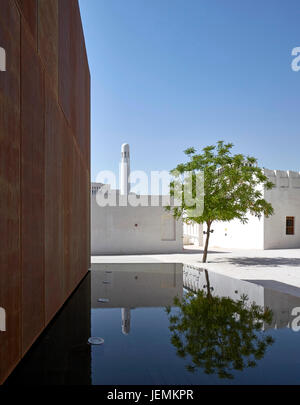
x=10 y=276
x=54 y=243
x=74 y=96
x=29 y=11
x=44 y=167
x=87 y=114
x=66 y=58
x=48 y=38
x=74 y=77
x=68 y=164
x=32 y=191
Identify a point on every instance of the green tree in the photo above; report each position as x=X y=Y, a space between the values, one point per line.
x=232 y=188
x=218 y=334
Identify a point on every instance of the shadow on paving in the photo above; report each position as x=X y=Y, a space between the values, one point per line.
x=200 y=251
x=277 y=286
x=263 y=261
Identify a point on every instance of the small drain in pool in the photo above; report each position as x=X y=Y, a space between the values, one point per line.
x=103 y=300
x=95 y=341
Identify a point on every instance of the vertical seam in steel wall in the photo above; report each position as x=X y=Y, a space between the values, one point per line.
x=37 y=30
x=37 y=26
x=20 y=205
x=78 y=149
x=44 y=193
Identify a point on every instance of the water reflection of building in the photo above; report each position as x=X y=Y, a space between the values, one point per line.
x=280 y=298
x=129 y=286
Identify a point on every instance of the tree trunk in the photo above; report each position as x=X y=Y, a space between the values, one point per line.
x=206 y=243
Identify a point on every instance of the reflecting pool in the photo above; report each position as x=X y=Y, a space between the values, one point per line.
x=168 y=324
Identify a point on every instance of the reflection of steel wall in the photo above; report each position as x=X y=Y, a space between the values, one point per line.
x=62 y=355
x=136 y=285
x=44 y=169
x=279 y=302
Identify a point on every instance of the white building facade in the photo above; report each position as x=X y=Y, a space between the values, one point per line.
x=131 y=224
x=280 y=231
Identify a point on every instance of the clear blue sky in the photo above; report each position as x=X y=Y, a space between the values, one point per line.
x=169 y=74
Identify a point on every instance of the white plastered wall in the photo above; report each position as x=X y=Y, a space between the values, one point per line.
x=134 y=230
x=265 y=233
x=285 y=199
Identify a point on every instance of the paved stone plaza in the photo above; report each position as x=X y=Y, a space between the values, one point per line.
x=277 y=269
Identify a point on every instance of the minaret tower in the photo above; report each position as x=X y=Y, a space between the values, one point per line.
x=125 y=170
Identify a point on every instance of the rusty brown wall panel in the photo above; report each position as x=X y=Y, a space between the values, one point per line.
x=29 y=11
x=80 y=97
x=85 y=230
x=66 y=64
x=82 y=88
x=80 y=101
x=74 y=238
x=87 y=114
x=73 y=72
x=44 y=167
x=83 y=215
x=85 y=101
x=88 y=224
x=10 y=276
x=75 y=221
x=68 y=209
x=48 y=38
x=32 y=191
x=54 y=243
x=83 y=120
x=88 y=158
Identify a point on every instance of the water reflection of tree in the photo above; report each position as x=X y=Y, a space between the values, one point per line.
x=218 y=334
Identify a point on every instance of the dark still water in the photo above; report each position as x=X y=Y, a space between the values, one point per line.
x=212 y=337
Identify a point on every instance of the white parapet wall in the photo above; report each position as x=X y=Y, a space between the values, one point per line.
x=133 y=229
x=285 y=199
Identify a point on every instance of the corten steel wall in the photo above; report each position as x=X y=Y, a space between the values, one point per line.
x=44 y=167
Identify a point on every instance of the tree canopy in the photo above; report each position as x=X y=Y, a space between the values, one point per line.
x=217 y=334
x=233 y=187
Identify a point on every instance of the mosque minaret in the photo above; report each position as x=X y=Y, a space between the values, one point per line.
x=125 y=170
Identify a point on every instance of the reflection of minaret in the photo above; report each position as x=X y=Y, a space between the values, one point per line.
x=125 y=320
x=125 y=170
